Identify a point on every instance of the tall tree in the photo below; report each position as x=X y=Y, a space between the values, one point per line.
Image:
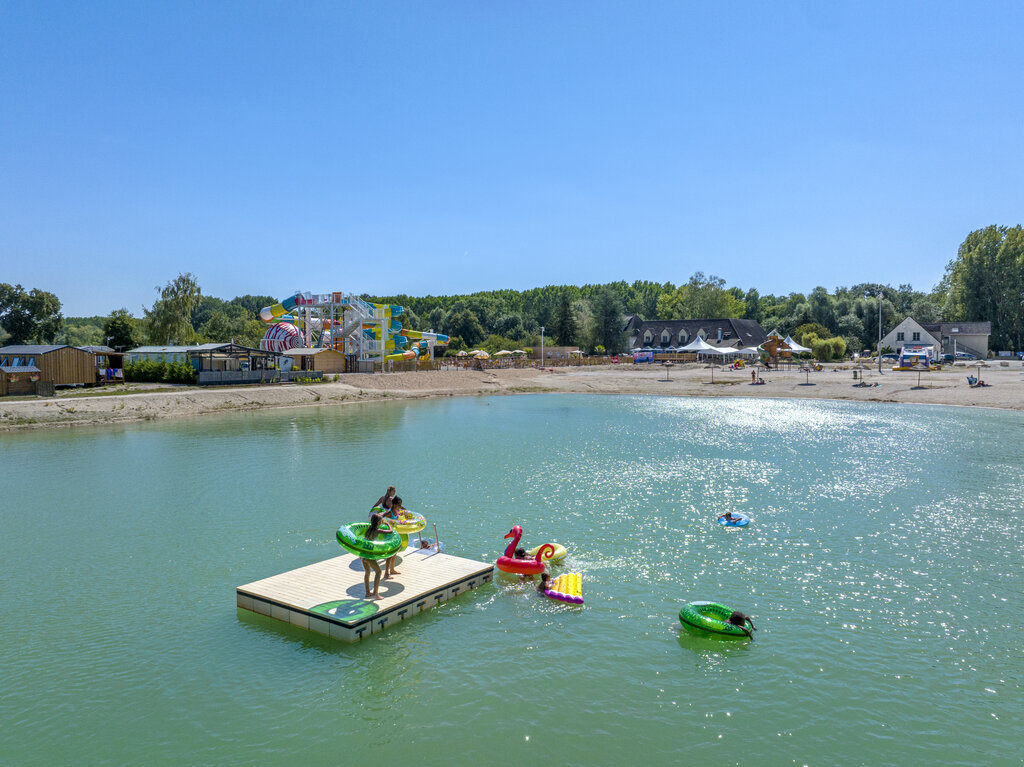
x=606 y=323
x=120 y=330
x=29 y=315
x=170 y=319
x=563 y=325
x=986 y=282
x=700 y=298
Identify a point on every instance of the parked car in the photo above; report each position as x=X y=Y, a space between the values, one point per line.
x=965 y=356
x=947 y=357
x=890 y=357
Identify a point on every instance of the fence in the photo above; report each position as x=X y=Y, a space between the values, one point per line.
x=234 y=377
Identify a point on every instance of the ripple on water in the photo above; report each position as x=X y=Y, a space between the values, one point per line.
x=881 y=568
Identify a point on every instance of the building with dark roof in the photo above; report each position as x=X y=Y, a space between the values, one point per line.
x=664 y=334
x=56 y=364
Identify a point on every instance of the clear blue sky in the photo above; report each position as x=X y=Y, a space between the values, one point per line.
x=450 y=147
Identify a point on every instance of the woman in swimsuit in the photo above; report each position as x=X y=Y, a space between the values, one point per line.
x=376 y=524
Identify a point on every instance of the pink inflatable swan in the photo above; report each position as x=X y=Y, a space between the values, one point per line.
x=508 y=563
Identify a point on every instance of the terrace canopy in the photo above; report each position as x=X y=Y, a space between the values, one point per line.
x=794 y=346
x=700 y=345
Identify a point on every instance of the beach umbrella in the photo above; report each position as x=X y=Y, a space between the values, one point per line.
x=482 y=355
x=502 y=353
x=518 y=351
x=463 y=353
x=668 y=368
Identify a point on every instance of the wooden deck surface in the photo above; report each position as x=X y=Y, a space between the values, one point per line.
x=334 y=588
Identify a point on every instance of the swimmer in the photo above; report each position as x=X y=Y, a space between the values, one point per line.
x=740 y=620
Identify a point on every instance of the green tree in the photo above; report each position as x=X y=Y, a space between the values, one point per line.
x=29 y=316
x=120 y=330
x=563 y=325
x=700 y=298
x=170 y=319
x=986 y=282
x=606 y=321
x=801 y=332
x=466 y=325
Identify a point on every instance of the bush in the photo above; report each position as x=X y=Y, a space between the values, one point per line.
x=152 y=371
x=828 y=349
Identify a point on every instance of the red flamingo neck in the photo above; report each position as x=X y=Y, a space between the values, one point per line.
x=510 y=552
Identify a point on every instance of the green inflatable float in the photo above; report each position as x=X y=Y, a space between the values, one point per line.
x=383 y=546
x=711 y=617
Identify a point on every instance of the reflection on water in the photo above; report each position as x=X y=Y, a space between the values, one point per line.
x=881 y=567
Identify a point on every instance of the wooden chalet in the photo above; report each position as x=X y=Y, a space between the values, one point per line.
x=54 y=365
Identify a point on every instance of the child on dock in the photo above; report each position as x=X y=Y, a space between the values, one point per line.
x=376 y=523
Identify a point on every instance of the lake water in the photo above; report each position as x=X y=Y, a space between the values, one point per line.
x=882 y=568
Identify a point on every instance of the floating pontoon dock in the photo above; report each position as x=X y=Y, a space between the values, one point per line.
x=328 y=597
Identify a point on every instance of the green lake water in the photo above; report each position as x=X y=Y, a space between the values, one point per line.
x=882 y=568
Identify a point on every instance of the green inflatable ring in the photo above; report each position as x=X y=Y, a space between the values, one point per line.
x=711 y=617
x=351 y=539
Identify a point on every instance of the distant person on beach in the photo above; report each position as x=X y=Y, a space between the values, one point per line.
x=740 y=620
x=753 y=376
x=376 y=523
x=386 y=501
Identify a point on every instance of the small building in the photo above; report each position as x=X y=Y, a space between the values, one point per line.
x=672 y=334
x=326 y=360
x=159 y=353
x=911 y=333
x=57 y=364
x=109 y=363
x=944 y=337
x=18 y=380
x=966 y=337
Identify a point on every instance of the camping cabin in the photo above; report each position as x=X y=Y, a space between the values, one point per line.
x=109 y=363
x=325 y=360
x=56 y=365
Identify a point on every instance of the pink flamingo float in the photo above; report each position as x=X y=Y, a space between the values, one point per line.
x=508 y=563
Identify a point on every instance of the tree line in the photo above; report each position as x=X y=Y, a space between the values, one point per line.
x=984 y=282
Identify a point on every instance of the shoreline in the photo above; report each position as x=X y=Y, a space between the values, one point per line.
x=834 y=382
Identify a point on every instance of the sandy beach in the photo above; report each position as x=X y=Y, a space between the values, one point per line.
x=137 y=403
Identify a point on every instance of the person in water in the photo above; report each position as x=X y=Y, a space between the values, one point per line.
x=740 y=620
x=376 y=525
x=728 y=517
x=386 y=501
x=520 y=553
x=545 y=582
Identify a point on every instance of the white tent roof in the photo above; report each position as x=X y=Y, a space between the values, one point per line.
x=700 y=345
x=794 y=346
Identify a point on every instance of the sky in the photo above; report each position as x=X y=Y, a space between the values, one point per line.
x=450 y=147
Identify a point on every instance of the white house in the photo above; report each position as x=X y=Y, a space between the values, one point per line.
x=911 y=333
x=944 y=338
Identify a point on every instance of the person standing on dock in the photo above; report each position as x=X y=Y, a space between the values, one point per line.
x=376 y=522
x=386 y=501
x=389 y=566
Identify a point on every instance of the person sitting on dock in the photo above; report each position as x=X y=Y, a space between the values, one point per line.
x=376 y=523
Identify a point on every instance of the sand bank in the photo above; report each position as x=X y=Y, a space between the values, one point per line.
x=945 y=387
